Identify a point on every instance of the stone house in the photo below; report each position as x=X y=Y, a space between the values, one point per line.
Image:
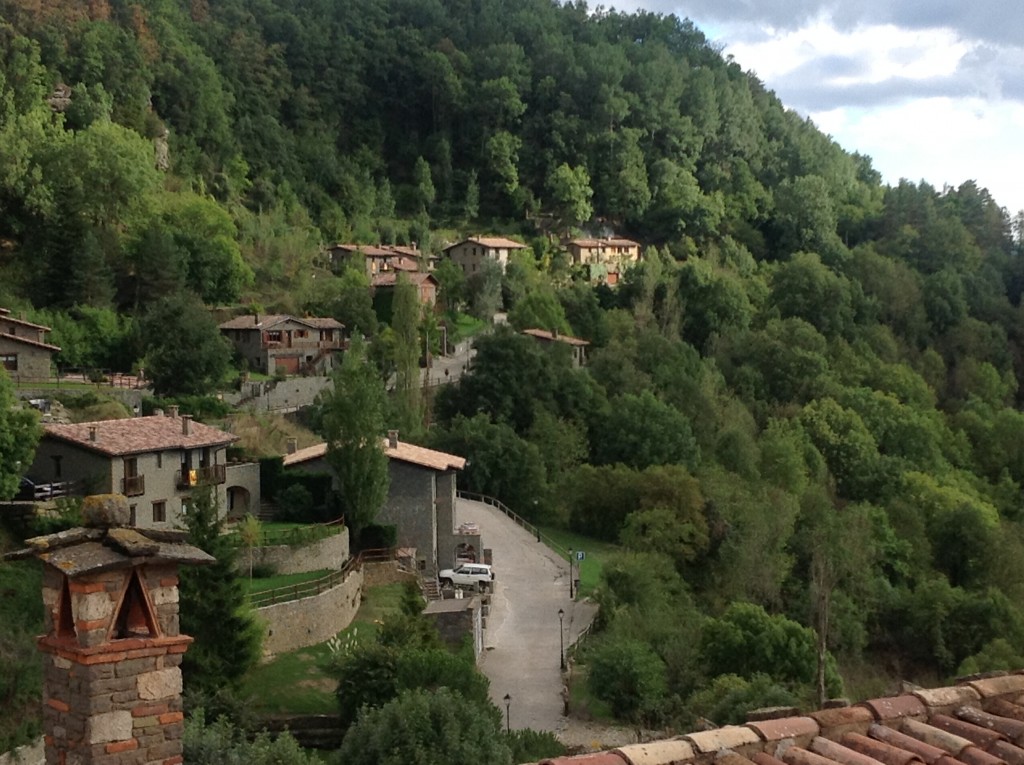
x=420 y=502
x=375 y=259
x=156 y=462
x=281 y=342
x=577 y=346
x=611 y=250
x=426 y=286
x=470 y=254
x=24 y=352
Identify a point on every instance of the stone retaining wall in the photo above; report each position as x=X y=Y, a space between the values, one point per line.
x=312 y=620
x=30 y=754
x=329 y=553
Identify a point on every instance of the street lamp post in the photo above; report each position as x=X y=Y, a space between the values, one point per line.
x=561 y=639
x=508 y=724
x=571 y=554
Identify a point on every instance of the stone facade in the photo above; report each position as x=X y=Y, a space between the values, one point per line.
x=330 y=553
x=458 y=618
x=410 y=507
x=306 y=622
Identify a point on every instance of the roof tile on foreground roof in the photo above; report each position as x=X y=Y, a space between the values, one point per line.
x=979 y=722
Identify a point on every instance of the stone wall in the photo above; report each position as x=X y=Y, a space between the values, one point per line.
x=312 y=620
x=330 y=553
x=410 y=508
x=30 y=754
x=284 y=396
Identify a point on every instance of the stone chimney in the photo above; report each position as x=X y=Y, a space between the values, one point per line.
x=186 y=424
x=92 y=432
x=392 y=439
x=292 y=445
x=172 y=410
x=112 y=647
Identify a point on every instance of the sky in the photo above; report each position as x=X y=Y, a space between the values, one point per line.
x=931 y=90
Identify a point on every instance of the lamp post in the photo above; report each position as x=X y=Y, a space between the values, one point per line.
x=508 y=703
x=571 y=554
x=561 y=639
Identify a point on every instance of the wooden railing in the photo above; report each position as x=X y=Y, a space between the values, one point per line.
x=308 y=589
x=199 y=476
x=494 y=502
x=133 y=485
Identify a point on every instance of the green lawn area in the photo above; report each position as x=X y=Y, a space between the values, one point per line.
x=589 y=572
x=295 y=682
x=466 y=326
x=281 y=580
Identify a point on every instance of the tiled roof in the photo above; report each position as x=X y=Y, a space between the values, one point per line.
x=404 y=263
x=420 y=455
x=979 y=722
x=29 y=341
x=543 y=334
x=390 y=278
x=369 y=250
x=136 y=435
x=269 y=321
x=611 y=242
x=417 y=455
x=494 y=242
x=401 y=249
x=5 y=315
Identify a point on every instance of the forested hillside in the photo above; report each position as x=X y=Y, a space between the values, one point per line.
x=804 y=399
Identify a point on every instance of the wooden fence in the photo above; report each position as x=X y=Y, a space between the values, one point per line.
x=308 y=589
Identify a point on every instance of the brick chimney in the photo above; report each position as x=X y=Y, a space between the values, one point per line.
x=186 y=424
x=112 y=678
x=172 y=410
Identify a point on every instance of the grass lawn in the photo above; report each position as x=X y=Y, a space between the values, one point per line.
x=280 y=580
x=589 y=571
x=465 y=327
x=296 y=683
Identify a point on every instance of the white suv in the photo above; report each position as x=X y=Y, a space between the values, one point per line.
x=476 y=575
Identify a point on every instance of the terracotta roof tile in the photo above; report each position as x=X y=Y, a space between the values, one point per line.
x=761 y=758
x=1004 y=750
x=491 y=242
x=1005 y=708
x=1011 y=728
x=796 y=755
x=841 y=754
x=835 y=722
x=139 y=434
x=983 y=737
x=950 y=742
x=895 y=707
x=998 y=686
x=945 y=700
x=668 y=752
x=929 y=753
x=269 y=321
x=729 y=737
x=417 y=455
x=594 y=758
x=975 y=755
x=800 y=729
x=5 y=315
x=879 y=750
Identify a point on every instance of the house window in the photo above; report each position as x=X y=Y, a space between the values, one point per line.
x=10 y=361
x=132 y=509
x=300 y=333
x=274 y=336
x=159 y=459
x=159 y=512
x=131 y=467
x=56 y=465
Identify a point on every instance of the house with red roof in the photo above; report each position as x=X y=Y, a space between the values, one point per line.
x=578 y=347
x=425 y=284
x=292 y=344
x=24 y=352
x=470 y=254
x=420 y=503
x=156 y=462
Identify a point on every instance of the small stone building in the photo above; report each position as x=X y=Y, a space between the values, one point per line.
x=24 y=352
x=458 y=618
x=113 y=649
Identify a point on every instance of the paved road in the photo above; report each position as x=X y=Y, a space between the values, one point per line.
x=521 y=642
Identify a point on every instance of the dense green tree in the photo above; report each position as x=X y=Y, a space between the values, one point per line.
x=427 y=727
x=405 y=323
x=214 y=611
x=185 y=352
x=19 y=434
x=353 y=424
x=641 y=431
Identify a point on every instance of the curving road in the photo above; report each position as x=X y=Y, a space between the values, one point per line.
x=521 y=642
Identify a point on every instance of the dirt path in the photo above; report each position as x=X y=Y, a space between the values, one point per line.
x=521 y=656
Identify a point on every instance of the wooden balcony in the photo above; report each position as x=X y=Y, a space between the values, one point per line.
x=213 y=474
x=133 y=486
